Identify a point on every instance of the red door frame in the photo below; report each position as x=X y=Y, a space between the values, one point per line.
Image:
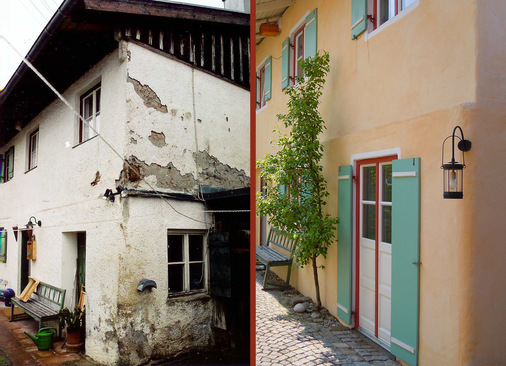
x=359 y=163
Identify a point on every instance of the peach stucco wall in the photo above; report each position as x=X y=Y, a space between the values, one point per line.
x=406 y=86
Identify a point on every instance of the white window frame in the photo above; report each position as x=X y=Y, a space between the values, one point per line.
x=375 y=7
x=186 y=261
x=85 y=133
x=10 y=151
x=33 y=150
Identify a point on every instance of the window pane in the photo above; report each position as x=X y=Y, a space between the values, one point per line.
x=386 y=224
x=88 y=107
x=196 y=248
x=196 y=276
x=369 y=183
x=175 y=248
x=406 y=3
x=369 y=221
x=176 y=277
x=387 y=183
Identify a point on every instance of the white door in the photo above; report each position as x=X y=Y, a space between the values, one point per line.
x=375 y=249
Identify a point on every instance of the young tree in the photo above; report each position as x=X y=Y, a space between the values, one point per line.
x=295 y=190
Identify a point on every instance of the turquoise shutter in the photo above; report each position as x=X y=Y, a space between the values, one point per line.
x=358 y=17
x=282 y=189
x=285 y=63
x=344 y=242
x=268 y=77
x=405 y=258
x=310 y=34
x=3 y=246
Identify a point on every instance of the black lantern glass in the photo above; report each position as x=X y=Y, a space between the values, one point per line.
x=453 y=171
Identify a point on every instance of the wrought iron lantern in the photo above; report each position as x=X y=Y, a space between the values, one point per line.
x=32 y=222
x=453 y=171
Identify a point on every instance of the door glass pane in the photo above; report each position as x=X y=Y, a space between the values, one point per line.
x=386 y=224
x=196 y=276
x=196 y=248
x=369 y=221
x=369 y=183
x=387 y=183
x=175 y=248
x=176 y=277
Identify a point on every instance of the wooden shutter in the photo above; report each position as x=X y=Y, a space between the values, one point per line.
x=405 y=258
x=344 y=242
x=285 y=63
x=2 y=169
x=3 y=246
x=310 y=34
x=358 y=17
x=268 y=77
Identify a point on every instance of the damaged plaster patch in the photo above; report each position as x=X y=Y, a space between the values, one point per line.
x=157 y=139
x=216 y=174
x=168 y=177
x=150 y=98
x=97 y=179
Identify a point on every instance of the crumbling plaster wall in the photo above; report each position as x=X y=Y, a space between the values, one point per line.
x=60 y=194
x=184 y=127
x=149 y=323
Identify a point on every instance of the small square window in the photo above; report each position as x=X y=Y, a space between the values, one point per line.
x=186 y=262
x=90 y=113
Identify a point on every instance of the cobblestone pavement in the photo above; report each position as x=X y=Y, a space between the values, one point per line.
x=284 y=337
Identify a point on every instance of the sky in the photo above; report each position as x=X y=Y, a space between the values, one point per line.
x=21 y=22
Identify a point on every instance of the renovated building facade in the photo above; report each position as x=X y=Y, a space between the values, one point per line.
x=419 y=274
x=126 y=173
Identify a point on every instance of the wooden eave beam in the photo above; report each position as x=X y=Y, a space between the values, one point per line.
x=169 y=10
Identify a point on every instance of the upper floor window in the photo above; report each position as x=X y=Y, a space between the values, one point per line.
x=90 y=112
x=186 y=252
x=33 y=146
x=264 y=82
x=8 y=171
x=301 y=44
x=371 y=14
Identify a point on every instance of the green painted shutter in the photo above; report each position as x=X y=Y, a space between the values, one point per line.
x=282 y=189
x=285 y=63
x=358 y=17
x=310 y=34
x=3 y=246
x=405 y=258
x=344 y=242
x=2 y=169
x=268 y=77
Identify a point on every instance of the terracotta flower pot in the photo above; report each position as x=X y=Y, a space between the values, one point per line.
x=74 y=341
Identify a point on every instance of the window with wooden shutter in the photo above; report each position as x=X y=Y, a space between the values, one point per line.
x=285 y=63
x=3 y=245
x=311 y=34
x=358 y=17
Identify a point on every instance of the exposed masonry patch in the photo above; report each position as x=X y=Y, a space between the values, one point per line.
x=150 y=98
x=157 y=139
x=173 y=112
x=168 y=176
x=97 y=179
x=215 y=174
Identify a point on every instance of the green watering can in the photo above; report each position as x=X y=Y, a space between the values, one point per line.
x=44 y=338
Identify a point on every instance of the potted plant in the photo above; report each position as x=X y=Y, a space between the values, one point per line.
x=72 y=321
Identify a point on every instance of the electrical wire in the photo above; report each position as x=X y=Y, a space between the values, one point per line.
x=34 y=69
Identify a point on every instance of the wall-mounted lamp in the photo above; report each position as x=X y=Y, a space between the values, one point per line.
x=453 y=172
x=108 y=195
x=32 y=222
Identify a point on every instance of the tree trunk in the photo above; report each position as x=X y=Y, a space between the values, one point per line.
x=316 y=284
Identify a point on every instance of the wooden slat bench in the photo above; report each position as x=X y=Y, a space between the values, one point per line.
x=43 y=305
x=272 y=258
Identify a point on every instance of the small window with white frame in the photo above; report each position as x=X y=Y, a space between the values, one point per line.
x=33 y=150
x=382 y=11
x=187 y=262
x=89 y=125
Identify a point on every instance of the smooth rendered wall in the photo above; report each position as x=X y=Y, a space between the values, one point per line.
x=405 y=86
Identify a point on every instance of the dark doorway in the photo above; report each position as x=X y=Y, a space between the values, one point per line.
x=24 y=264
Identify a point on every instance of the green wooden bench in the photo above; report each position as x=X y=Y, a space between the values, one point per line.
x=270 y=257
x=43 y=305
